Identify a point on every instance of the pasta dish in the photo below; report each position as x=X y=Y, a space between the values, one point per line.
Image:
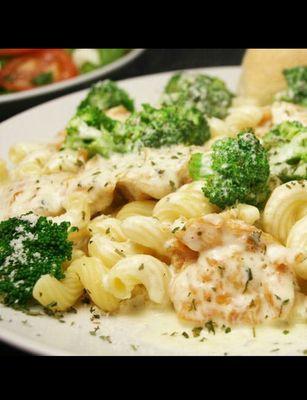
x=196 y=204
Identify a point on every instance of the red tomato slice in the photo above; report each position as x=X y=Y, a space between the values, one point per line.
x=16 y=52
x=19 y=73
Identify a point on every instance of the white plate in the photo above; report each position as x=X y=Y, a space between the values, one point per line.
x=46 y=335
x=97 y=73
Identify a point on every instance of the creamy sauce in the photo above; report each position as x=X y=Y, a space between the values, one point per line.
x=283 y=111
x=148 y=173
x=149 y=331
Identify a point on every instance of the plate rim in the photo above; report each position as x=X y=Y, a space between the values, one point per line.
x=17 y=340
x=69 y=83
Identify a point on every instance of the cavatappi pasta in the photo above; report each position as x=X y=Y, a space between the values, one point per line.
x=286 y=205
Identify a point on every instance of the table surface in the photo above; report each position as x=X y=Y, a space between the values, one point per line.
x=151 y=61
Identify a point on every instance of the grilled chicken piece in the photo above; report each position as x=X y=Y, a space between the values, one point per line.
x=241 y=274
x=97 y=181
x=46 y=194
x=154 y=173
x=43 y=195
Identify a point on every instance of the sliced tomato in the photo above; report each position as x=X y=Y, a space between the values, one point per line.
x=17 y=52
x=20 y=73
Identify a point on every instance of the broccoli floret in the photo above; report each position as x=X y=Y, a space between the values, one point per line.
x=237 y=170
x=206 y=93
x=297 y=85
x=287 y=149
x=90 y=129
x=105 y=95
x=30 y=246
x=152 y=127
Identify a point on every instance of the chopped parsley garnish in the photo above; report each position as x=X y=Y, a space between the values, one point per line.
x=210 y=325
x=106 y=338
x=196 y=331
x=93 y=332
x=249 y=278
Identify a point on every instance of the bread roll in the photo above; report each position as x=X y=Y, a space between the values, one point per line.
x=262 y=76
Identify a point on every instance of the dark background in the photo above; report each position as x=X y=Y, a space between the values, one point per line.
x=151 y=61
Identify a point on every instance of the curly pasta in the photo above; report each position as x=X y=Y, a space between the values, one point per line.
x=110 y=227
x=218 y=128
x=144 y=208
x=83 y=273
x=135 y=270
x=148 y=232
x=189 y=202
x=297 y=238
x=110 y=251
x=247 y=116
x=59 y=295
x=91 y=273
x=286 y=205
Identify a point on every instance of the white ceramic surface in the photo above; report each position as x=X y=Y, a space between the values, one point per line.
x=146 y=332
x=97 y=73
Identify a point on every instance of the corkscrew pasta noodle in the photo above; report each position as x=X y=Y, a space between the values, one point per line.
x=135 y=270
x=144 y=208
x=286 y=205
x=247 y=116
x=148 y=232
x=189 y=202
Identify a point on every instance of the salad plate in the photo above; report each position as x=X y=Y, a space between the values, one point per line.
x=90 y=76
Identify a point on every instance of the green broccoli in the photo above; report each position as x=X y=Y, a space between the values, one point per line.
x=105 y=95
x=286 y=144
x=90 y=129
x=30 y=246
x=208 y=94
x=237 y=170
x=152 y=127
x=297 y=86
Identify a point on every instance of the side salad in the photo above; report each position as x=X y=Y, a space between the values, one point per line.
x=24 y=69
